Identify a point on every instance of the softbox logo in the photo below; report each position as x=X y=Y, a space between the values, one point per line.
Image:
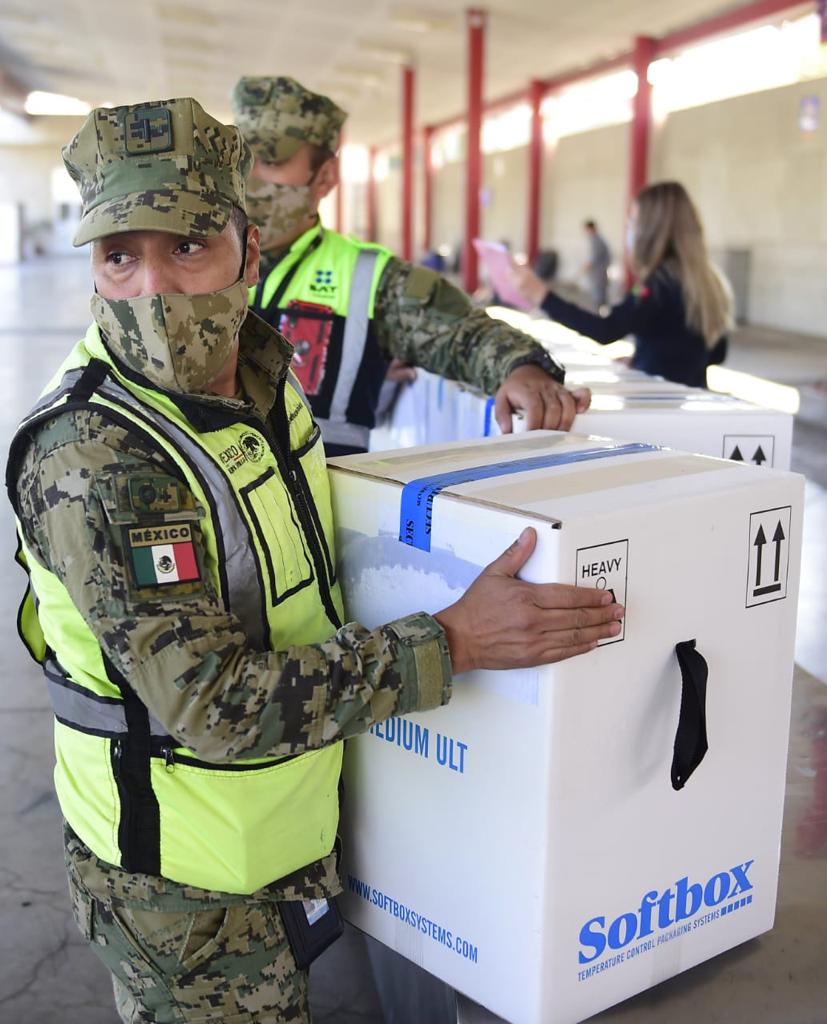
x=661 y=909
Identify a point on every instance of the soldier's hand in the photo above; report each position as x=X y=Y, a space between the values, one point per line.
x=545 y=404
x=502 y=622
x=400 y=373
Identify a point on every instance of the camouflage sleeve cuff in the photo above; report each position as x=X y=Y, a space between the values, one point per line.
x=424 y=663
x=538 y=357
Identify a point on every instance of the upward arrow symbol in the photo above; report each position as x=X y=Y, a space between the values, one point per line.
x=759 y=456
x=759 y=542
x=737 y=457
x=777 y=537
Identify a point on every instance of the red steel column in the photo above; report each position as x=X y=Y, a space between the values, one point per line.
x=370 y=195
x=644 y=54
x=340 y=187
x=535 y=171
x=475 y=23
x=427 y=186
x=641 y=115
x=408 y=85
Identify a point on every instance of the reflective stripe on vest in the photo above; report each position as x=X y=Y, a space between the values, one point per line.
x=336 y=429
x=355 y=336
x=75 y=705
x=349 y=435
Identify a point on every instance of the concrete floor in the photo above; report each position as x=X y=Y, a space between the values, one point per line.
x=49 y=977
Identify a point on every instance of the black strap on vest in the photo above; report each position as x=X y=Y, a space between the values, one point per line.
x=90 y=380
x=139 y=830
x=690 y=739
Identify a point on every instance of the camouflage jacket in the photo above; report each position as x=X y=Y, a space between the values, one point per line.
x=184 y=654
x=424 y=320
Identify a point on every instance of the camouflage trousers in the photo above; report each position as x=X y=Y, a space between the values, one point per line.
x=210 y=964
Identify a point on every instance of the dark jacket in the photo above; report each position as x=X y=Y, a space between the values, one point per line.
x=655 y=314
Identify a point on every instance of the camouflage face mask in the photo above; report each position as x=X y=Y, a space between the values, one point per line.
x=178 y=342
x=279 y=210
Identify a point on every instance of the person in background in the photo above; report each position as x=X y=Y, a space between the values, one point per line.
x=545 y=265
x=679 y=308
x=350 y=308
x=597 y=267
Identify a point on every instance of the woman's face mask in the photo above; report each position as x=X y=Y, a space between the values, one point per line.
x=178 y=342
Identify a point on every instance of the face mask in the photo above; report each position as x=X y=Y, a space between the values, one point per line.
x=178 y=342
x=630 y=238
x=279 y=210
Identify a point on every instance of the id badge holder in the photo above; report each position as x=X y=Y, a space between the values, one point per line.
x=311 y=926
x=308 y=326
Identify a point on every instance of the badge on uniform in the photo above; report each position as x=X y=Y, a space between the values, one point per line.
x=162 y=554
x=148 y=130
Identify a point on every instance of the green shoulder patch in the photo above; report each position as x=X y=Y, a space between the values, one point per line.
x=143 y=495
x=154 y=493
x=420 y=284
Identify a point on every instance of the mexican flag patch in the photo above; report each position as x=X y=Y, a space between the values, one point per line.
x=163 y=554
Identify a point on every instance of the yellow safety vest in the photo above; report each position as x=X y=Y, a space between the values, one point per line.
x=320 y=295
x=132 y=795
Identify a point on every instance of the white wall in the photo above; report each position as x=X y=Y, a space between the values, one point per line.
x=584 y=177
x=761 y=185
x=759 y=182
x=26 y=177
x=448 y=205
x=504 y=217
x=388 y=198
x=29 y=153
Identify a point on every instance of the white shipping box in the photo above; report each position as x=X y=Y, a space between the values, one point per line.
x=639 y=408
x=525 y=843
x=663 y=413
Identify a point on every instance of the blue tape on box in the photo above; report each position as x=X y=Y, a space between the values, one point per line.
x=416 y=509
x=489 y=410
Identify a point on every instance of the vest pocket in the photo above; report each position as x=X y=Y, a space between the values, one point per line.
x=282 y=545
x=237 y=827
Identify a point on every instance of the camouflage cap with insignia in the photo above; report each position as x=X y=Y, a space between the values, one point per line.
x=278 y=115
x=159 y=166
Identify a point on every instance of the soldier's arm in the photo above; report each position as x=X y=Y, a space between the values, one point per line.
x=424 y=320
x=178 y=646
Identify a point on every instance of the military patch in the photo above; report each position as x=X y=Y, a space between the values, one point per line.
x=252 y=446
x=420 y=285
x=154 y=494
x=162 y=554
x=148 y=130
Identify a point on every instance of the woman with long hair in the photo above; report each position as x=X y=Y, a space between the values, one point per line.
x=680 y=307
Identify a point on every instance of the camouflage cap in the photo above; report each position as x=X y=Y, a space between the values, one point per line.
x=165 y=165
x=278 y=115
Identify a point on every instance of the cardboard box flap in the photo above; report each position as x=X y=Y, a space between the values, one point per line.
x=530 y=473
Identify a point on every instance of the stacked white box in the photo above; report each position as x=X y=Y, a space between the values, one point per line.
x=424 y=412
x=660 y=412
x=525 y=843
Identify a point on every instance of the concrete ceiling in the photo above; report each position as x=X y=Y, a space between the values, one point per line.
x=106 y=51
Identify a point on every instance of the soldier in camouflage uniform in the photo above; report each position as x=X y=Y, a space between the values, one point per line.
x=416 y=317
x=168 y=685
